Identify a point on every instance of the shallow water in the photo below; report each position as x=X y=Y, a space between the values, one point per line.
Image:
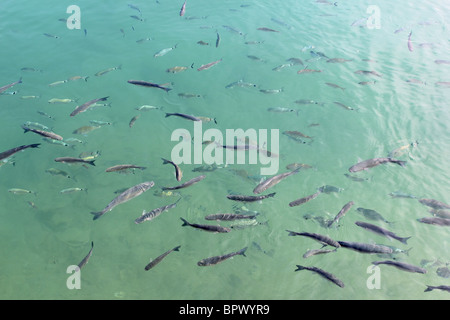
x=40 y=241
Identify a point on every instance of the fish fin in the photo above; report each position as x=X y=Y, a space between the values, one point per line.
x=299 y=267
x=97 y=215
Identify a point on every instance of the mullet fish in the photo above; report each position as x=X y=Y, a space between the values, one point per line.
x=273 y=181
x=304 y=199
x=208 y=65
x=74 y=160
x=215 y=260
x=237 y=197
x=148 y=84
x=323 y=239
x=186 y=184
x=341 y=213
x=154 y=213
x=122 y=167
x=10 y=152
x=402 y=266
x=159 y=259
x=323 y=273
x=370 y=163
x=85 y=106
x=43 y=133
x=4 y=88
x=86 y=259
x=125 y=196
x=178 y=172
x=206 y=227
x=381 y=231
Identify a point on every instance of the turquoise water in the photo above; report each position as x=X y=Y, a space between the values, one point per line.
x=41 y=240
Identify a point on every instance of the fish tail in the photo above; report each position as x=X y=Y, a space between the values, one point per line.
x=165 y=161
x=407 y=251
x=25 y=129
x=20 y=80
x=404 y=240
x=92 y=163
x=168 y=115
x=299 y=268
x=242 y=251
x=185 y=223
x=119 y=67
x=104 y=98
x=429 y=288
x=399 y=162
x=85 y=78
x=271 y=194
x=35 y=145
x=291 y=233
x=176 y=248
x=97 y=214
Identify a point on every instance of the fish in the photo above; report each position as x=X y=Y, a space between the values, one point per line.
x=338 y=60
x=401 y=194
x=357 y=179
x=163 y=52
x=401 y=150
x=297 y=136
x=177 y=69
x=271 y=91
x=208 y=65
x=282 y=110
x=178 y=172
x=103 y=72
x=74 y=78
x=186 y=184
x=6 y=87
x=442 y=61
x=58 y=100
x=134 y=8
x=42 y=113
x=438 y=221
x=410 y=46
x=143 y=40
x=330 y=189
x=71 y=160
x=318 y=54
x=21 y=191
x=121 y=167
x=30 y=97
x=442 y=287
x=370 y=163
x=150 y=215
x=86 y=105
x=100 y=122
x=314 y=252
x=282 y=66
x=263 y=186
x=367 y=72
x=445 y=84
x=125 y=196
x=381 y=231
x=85 y=129
x=343 y=106
x=233 y=30
x=147 y=108
x=57 y=83
x=182 y=115
x=323 y=239
x=443 y=272
x=304 y=199
x=295 y=165
x=206 y=227
x=203 y=43
x=57 y=172
x=159 y=259
x=435 y=204
x=148 y=84
x=402 y=266
x=324 y=274
x=308 y=71
x=365 y=83
x=295 y=61
x=137 y=18
x=241 y=83
x=86 y=258
x=242 y=224
x=43 y=133
x=440 y=213
x=266 y=29
x=183 y=9
x=237 y=197
x=217 y=40
x=334 y=85
x=366 y=247
x=133 y=120
x=371 y=214
x=50 y=35
x=74 y=189
x=10 y=152
x=217 y=259
x=341 y=213
x=230 y=216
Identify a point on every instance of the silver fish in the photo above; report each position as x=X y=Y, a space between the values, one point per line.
x=4 y=88
x=215 y=260
x=71 y=160
x=304 y=199
x=146 y=216
x=323 y=239
x=121 y=167
x=402 y=266
x=184 y=116
x=206 y=227
x=10 y=152
x=381 y=231
x=162 y=52
x=314 y=252
x=85 y=106
x=244 y=198
x=445 y=288
x=324 y=274
x=43 y=133
x=125 y=196
x=366 y=247
x=158 y=259
x=436 y=221
x=229 y=216
x=178 y=172
x=371 y=214
x=186 y=184
x=435 y=204
x=273 y=181
x=370 y=163
x=341 y=213
x=88 y=256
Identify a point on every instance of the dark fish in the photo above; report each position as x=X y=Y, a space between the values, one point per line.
x=440 y=213
x=370 y=163
x=43 y=133
x=381 y=231
x=443 y=272
x=86 y=106
x=186 y=184
x=402 y=266
x=125 y=196
x=435 y=220
x=4 y=88
x=230 y=216
x=215 y=260
x=237 y=197
x=158 y=260
x=10 y=152
x=366 y=247
x=323 y=273
x=178 y=173
x=267 y=29
x=154 y=213
x=86 y=259
x=263 y=186
x=341 y=213
x=122 y=167
x=217 y=40
x=371 y=214
x=206 y=227
x=323 y=239
x=133 y=120
x=148 y=84
x=304 y=200
x=183 y=9
x=184 y=116
x=74 y=160
x=435 y=204
x=445 y=288
x=314 y=252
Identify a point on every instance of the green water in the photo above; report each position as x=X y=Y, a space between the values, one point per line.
x=39 y=243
